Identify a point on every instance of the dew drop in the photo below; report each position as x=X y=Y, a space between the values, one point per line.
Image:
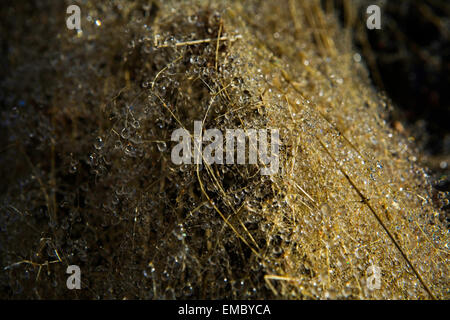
x=161 y=146
x=98 y=143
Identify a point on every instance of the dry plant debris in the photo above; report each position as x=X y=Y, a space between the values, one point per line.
x=89 y=179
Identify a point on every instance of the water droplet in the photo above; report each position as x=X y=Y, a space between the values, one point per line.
x=125 y=133
x=188 y=290
x=98 y=143
x=379 y=165
x=130 y=150
x=136 y=124
x=161 y=146
x=192 y=18
x=357 y=57
x=325 y=209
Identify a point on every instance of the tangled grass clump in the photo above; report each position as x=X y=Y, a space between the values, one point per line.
x=90 y=181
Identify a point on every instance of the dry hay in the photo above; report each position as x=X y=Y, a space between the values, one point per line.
x=90 y=180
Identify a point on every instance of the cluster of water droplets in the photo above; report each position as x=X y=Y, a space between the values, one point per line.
x=100 y=189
